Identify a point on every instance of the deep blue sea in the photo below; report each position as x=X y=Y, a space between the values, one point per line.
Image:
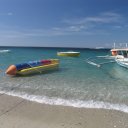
x=76 y=83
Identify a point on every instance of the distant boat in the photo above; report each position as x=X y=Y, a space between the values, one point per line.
x=69 y=53
x=99 y=47
x=4 y=51
x=32 y=67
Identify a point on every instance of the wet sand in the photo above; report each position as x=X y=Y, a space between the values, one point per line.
x=19 y=113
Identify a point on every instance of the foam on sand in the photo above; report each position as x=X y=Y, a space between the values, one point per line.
x=72 y=103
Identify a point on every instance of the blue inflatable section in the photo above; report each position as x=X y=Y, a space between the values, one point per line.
x=29 y=64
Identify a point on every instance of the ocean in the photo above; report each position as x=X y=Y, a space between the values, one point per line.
x=76 y=83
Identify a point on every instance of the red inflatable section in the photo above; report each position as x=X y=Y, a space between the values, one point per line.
x=114 y=53
x=45 y=62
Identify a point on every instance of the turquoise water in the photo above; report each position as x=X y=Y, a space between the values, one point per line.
x=76 y=83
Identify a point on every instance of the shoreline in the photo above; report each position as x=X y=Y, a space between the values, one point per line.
x=71 y=103
x=16 y=112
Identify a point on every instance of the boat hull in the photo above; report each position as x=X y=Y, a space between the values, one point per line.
x=122 y=63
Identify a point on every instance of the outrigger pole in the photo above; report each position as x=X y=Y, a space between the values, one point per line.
x=98 y=65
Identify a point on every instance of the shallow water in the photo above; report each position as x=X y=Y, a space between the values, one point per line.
x=76 y=83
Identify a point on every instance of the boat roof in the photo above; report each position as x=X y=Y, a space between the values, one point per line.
x=120 y=49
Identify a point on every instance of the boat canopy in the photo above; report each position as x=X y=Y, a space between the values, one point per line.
x=125 y=49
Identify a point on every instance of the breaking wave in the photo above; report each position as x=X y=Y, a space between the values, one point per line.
x=71 y=103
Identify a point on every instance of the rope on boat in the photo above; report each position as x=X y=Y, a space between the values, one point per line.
x=34 y=68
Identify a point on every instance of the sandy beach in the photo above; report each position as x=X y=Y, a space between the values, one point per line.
x=19 y=113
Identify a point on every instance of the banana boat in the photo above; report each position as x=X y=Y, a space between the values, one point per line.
x=32 y=67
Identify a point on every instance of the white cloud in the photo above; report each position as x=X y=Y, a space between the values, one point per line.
x=6 y=14
x=10 y=13
x=83 y=26
x=107 y=17
x=118 y=27
x=91 y=23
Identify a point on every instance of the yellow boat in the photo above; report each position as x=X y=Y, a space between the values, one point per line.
x=69 y=53
x=33 y=67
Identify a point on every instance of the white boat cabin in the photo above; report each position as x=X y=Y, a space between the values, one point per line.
x=122 y=52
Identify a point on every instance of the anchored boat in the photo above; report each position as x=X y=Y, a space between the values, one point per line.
x=32 y=67
x=69 y=53
x=121 y=56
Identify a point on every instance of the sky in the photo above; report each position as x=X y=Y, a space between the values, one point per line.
x=63 y=23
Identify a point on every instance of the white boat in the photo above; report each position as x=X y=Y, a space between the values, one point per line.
x=121 y=56
x=118 y=55
x=122 y=62
x=69 y=53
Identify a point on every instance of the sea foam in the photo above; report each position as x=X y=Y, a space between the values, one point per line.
x=4 y=51
x=71 y=103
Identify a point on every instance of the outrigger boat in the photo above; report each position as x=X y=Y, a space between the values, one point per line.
x=121 y=56
x=69 y=53
x=118 y=55
x=32 y=67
